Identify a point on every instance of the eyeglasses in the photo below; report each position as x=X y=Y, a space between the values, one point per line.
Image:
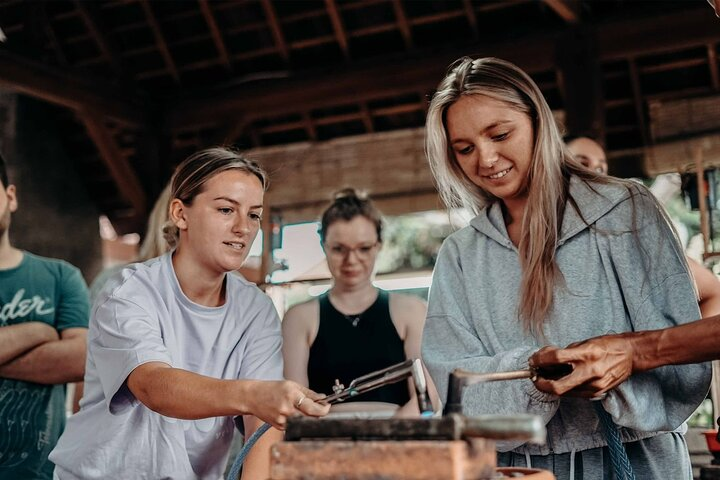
x=341 y=252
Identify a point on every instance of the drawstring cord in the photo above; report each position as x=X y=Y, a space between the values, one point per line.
x=237 y=464
x=618 y=455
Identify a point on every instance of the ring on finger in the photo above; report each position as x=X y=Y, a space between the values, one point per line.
x=300 y=400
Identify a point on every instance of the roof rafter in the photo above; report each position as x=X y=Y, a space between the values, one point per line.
x=215 y=32
x=292 y=96
x=366 y=117
x=96 y=28
x=568 y=10
x=309 y=126
x=69 y=90
x=713 y=66
x=120 y=169
x=471 y=18
x=277 y=34
x=638 y=101
x=52 y=36
x=403 y=23
x=338 y=28
x=160 y=40
x=624 y=38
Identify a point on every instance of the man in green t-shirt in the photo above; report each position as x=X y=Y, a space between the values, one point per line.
x=44 y=314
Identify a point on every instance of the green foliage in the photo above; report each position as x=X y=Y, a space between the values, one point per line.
x=412 y=242
x=703 y=416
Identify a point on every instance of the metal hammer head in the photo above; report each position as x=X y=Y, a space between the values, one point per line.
x=420 y=382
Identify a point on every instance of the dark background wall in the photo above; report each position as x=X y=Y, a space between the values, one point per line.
x=55 y=217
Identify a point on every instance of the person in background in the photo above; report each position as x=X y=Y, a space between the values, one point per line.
x=44 y=315
x=153 y=244
x=179 y=350
x=555 y=254
x=588 y=152
x=354 y=328
x=592 y=155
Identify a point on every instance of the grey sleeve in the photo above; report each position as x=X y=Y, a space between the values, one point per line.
x=658 y=293
x=450 y=341
x=263 y=356
x=123 y=337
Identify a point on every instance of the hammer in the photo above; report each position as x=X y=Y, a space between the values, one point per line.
x=460 y=378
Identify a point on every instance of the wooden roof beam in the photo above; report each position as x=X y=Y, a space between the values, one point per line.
x=230 y=135
x=96 y=28
x=215 y=32
x=339 y=118
x=403 y=24
x=568 y=10
x=634 y=37
x=52 y=36
x=338 y=28
x=617 y=40
x=638 y=101
x=293 y=96
x=366 y=117
x=713 y=66
x=160 y=40
x=68 y=90
x=120 y=169
x=436 y=17
x=309 y=126
x=471 y=18
x=580 y=82
x=275 y=29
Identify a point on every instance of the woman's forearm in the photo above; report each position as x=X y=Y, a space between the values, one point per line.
x=178 y=393
x=257 y=463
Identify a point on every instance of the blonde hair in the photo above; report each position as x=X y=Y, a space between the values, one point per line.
x=191 y=175
x=547 y=181
x=154 y=243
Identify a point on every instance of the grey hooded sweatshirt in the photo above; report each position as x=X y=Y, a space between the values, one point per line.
x=623 y=270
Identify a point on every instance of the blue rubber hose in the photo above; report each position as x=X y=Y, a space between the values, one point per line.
x=237 y=464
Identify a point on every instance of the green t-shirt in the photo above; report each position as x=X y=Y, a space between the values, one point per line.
x=32 y=416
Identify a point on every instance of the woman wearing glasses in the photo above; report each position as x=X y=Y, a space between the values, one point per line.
x=354 y=328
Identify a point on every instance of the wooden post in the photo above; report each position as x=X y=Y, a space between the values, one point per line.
x=580 y=79
x=266 y=259
x=702 y=200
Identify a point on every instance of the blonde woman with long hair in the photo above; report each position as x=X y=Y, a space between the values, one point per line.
x=555 y=254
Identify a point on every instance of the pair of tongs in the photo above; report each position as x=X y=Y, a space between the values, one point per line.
x=373 y=380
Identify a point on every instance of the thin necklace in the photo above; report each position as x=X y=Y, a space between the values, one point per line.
x=353 y=319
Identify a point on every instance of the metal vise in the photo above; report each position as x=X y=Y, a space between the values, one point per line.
x=451 y=447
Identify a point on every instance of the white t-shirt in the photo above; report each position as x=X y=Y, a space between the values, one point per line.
x=147 y=318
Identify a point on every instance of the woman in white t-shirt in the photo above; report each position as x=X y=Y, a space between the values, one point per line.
x=179 y=350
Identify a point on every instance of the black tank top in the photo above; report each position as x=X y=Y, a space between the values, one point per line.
x=345 y=352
